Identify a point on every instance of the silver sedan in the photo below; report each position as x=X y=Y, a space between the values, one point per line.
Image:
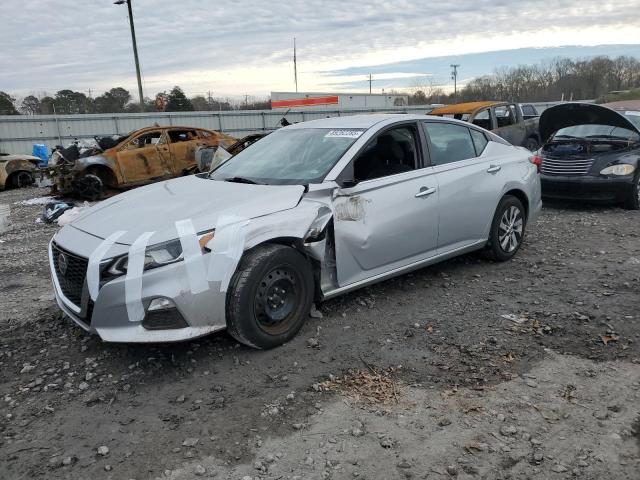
x=310 y=211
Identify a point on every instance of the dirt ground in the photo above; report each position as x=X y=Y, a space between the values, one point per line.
x=467 y=369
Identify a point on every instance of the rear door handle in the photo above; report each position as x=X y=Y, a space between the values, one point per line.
x=493 y=168
x=424 y=191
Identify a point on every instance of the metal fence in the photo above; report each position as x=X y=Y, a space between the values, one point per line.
x=19 y=133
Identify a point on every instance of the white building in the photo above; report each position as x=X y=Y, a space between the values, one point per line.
x=336 y=101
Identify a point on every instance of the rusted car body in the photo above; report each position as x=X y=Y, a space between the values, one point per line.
x=502 y=118
x=17 y=170
x=144 y=156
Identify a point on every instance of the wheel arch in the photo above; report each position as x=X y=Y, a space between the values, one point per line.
x=520 y=195
x=9 y=182
x=105 y=173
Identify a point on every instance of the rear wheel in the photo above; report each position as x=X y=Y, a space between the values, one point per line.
x=21 y=179
x=633 y=201
x=270 y=296
x=507 y=229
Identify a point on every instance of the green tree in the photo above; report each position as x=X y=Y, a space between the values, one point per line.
x=6 y=104
x=30 y=105
x=112 y=101
x=177 y=101
x=200 y=104
x=46 y=105
x=68 y=101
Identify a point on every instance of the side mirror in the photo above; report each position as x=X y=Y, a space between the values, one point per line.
x=348 y=183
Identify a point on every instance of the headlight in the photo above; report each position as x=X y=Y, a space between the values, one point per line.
x=620 y=169
x=158 y=255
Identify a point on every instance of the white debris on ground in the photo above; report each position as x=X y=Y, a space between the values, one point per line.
x=37 y=201
x=71 y=214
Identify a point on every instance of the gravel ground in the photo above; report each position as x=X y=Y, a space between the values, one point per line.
x=467 y=369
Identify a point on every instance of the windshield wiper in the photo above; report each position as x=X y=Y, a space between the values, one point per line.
x=564 y=136
x=242 y=180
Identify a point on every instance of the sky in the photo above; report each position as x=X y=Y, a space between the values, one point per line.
x=232 y=48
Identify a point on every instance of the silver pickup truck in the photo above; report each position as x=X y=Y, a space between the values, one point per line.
x=516 y=123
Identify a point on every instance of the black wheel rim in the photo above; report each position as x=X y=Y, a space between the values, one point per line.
x=277 y=299
x=90 y=188
x=24 y=179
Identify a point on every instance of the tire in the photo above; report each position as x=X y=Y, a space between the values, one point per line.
x=532 y=144
x=270 y=296
x=90 y=186
x=21 y=179
x=508 y=226
x=633 y=201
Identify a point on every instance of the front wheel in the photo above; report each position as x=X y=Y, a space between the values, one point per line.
x=90 y=186
x=507 y=229
x=633 y=201
x=270 y=296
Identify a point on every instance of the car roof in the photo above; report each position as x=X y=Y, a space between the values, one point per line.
x=468 y=107
x=356 y=121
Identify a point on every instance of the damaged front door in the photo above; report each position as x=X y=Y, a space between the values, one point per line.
x=389 y=219
x=144 y=158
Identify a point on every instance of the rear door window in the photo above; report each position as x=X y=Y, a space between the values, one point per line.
x=505 y=116
x=449 y=142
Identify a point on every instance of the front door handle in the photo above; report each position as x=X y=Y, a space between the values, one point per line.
x=493 y=168
x=424 y=191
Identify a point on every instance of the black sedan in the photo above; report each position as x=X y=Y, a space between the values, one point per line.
x=591 y=152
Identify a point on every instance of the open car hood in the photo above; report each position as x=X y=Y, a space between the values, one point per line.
x=573 y=114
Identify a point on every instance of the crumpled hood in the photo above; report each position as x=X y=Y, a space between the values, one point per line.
x=156 y=207
x=572 y=114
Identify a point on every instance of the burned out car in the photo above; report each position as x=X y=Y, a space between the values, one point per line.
x=311 y=211
x=518 y=124
x=591 y=152
x=144 y=156
x=17 y=170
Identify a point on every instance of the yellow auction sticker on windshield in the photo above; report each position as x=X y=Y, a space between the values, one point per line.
x=344 y=134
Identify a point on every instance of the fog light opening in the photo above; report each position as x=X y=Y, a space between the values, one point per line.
x=162 y=314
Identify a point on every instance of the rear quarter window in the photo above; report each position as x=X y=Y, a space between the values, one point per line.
x=479 y=140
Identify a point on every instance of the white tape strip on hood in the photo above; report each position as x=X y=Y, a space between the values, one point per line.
x=133 y=280
x=93 y=269
x=193 y=260
x=226 y=247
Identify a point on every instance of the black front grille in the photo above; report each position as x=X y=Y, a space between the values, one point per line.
x=71 y=280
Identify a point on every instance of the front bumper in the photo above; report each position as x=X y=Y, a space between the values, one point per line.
x=107 y=316
x=598 y=189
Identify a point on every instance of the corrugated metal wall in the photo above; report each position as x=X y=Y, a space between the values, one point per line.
x=19 y=133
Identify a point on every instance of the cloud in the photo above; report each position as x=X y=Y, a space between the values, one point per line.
x=246 y=46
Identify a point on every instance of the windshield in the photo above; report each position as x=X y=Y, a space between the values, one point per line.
x=634 y=117
x=597 y=131
x=289 y=156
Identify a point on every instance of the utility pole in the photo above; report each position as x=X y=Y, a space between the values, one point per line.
x=454 y=76
x=369 y=83
x=135 y=49
x=295 y=64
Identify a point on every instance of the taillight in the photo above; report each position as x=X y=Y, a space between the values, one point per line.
x=536 y=160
